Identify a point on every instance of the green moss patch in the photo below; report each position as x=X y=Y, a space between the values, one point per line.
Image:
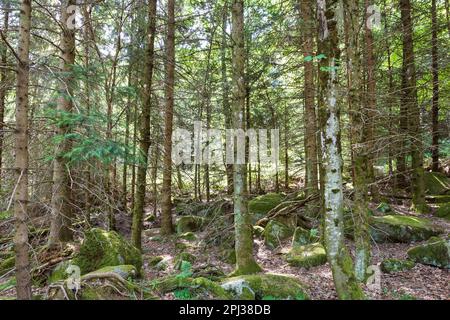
x=435 y=252
x=275 y=232
x=396 y=265
x=443 y=211
x=260 y=206
x=189 y=224
x=307 y=256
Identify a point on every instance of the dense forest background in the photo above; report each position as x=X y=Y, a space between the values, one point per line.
x=356 y=207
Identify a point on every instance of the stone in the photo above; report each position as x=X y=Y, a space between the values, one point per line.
x=435 y=252
x=275 y=232
x=307 y=256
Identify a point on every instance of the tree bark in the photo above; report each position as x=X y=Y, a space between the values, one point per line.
x=410 y=103
x=245 y=262
x=62 y=215
x=435 y=71
x=166 y=218
x=346 y=284
x=21 y=244
x=144 y=139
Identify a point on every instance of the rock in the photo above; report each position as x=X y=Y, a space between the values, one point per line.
x=398 y=228
x=153 y=261
x=436 y=183
x=396 y=265
x=265 y=286
x=60 y=271
x=435 y=252
x=302 y=237
x=307 y=256
x=184 y=256
x=163 y=265
x=275 y=232
x=189 y=236
x=261 y=205
x=443 y=211
x=189 y=224
x=101 y=248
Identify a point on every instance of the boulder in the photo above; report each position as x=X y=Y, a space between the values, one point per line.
x=189 y=224
x=307 y=256
x=260 y=206
x=189 y=236
x=275 y=232
x=436 y=183
x=435 y=252
x=265 y=286
x=124 y=271
x=60 y=271
x=398 y=228
x=101 y=248
x=396 y=265
x=302 y=237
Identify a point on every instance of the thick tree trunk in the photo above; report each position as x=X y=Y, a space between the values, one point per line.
x=166 y=217
x=62 y=215
x=359 y=133
x=346 y=284
x=144 y=138
x=21 y=244
x=410 y=103
x=435 y=107
x=307 y=27
x=245 y=262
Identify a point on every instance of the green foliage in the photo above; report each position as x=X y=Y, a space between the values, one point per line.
x=183 y=294
x=186 y=270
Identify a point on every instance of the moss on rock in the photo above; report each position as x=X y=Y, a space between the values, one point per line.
x=124 y=271
x=435 y=252
x=260 y=206
x=101 y=248
x=261 y=286
x=189 y=224
x=59 y=273
x=396 y=265
x=275 y=232
x=443 y=211
x=307 y=256
x=153 y=261
x=302 y=237
x=189 y=236
x=398 y=228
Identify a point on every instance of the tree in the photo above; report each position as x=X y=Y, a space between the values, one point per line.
x=410 y=103
x=144 y=143
x=308 y=28
x=166 y=218
x=435 y=71
x=245 y=262
x=60 y=229
x=346 y=284
x=21 y=244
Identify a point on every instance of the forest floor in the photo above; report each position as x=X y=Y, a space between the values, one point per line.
x=422 y=282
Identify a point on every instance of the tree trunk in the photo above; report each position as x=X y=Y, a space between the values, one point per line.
x=144 y=141
x=245 y=262
x=21 y=244
x=410 y=103
x=359 y=132
x=346 y=284
x=62 y=215
x=435 y=107
x=308 y=27
x=166 y=218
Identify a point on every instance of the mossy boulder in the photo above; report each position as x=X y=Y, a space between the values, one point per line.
x=124 y=271
x=189 y=236
x=443 y=211
x=260 y=206
x=101 y=248
x=396 y=265
x=435 y=252
x=436 y=183
x=153 y=261
x=303 y=237
x=275 y=232
x=60 y=271
x=189 y=224
x=398 y=228
x=264 y=286
x=307 y=256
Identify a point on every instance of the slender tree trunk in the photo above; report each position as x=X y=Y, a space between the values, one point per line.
x=62 y=215
x=435 y=107
x=307 y=28
x=225 y=91
x=245 y=262
x=166 y=217
x=3 y=84
x=286 y=150
x=409 y=100
x=359 y=133
x=346 y=284
x=21 y=244
x=144 y=138
x=447 y=15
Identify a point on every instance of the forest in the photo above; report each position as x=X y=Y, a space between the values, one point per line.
x=224 y=150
